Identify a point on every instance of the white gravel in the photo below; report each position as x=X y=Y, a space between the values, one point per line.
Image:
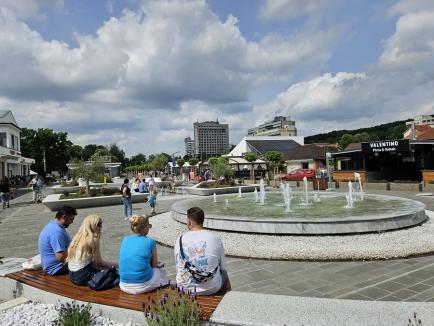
x=42 y=315
x=401 y=243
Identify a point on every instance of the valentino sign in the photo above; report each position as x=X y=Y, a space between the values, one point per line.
x=401 y=145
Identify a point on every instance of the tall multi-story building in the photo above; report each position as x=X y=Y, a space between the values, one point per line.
x=189 y=146
x=279 y=126
x=211 y=138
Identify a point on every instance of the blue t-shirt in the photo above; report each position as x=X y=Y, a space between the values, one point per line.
x=52 y=239
x=135 y=259
x=142 y=186
x=152 y=200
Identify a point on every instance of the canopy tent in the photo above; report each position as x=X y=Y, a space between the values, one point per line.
x=33 y=172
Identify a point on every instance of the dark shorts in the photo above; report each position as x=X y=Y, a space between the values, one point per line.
x=63 y=270
x=82 y=276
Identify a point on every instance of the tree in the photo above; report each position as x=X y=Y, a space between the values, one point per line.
x=49 y=149
x=117 y=153
x=87 y=170
x=223 y=159
x=361 y=137
x=138 y=159
x=213 y=160
x=221 y=169
x=274 y=158
x=159 y=162
x=75 y=152
x=180 y=162
x=89 y=150
x=345 y=140
x=251 y=157
x=193 y=161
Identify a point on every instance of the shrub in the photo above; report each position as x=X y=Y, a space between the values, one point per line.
x=73 y=314
x=175 y=307
x=415 y=321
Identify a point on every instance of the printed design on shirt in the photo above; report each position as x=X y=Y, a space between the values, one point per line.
x=195 y=254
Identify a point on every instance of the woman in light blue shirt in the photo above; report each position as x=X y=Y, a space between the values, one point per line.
x=139 y=269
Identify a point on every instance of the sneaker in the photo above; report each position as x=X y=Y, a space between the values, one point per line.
x=8 y=205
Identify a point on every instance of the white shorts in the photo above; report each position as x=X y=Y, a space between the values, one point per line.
x=158 y=279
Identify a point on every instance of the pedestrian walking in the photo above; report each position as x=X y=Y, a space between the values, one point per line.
x=126 y=199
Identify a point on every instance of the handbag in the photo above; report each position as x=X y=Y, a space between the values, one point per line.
x=104 y=279
x=196 y=273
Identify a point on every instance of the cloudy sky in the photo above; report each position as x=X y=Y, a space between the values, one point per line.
x=140 y=72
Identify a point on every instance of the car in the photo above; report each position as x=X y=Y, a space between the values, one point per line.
x=298 y=174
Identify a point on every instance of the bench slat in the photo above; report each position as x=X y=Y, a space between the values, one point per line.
x=61 y=285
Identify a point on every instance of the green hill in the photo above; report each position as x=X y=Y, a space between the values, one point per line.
x=392 y=130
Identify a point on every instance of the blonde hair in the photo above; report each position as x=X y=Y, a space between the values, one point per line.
x=86 y=239
x=139 y=223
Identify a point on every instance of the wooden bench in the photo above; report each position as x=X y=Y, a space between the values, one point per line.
x=61 y=285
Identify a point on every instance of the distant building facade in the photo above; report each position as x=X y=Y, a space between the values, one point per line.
x=189 y=146
x=11 y=161
x=279 y=126
x=211 y=138
x=424 y=120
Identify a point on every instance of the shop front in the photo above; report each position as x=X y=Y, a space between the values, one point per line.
x=388 y=160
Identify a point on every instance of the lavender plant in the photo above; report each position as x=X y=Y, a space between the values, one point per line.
x=415 y=321
x=73 y=314
x=174 y=307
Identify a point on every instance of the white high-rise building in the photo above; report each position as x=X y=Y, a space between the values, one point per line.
x=211 y=138
x=279 y=126
x=189 y=146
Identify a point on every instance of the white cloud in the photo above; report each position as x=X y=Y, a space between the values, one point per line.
x=29 y=8
x=399 y=86
x=287 y=9
x=174 y=57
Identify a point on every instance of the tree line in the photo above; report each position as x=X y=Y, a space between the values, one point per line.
x=57 y=150
x=387 y=131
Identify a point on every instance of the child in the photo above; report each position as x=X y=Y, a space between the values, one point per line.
x=153 y=201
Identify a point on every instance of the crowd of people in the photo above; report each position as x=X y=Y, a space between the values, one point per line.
x=199 y=254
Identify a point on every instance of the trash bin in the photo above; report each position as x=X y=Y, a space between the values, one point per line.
x=320 y=183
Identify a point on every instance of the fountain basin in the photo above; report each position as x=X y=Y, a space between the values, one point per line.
x=374 y=214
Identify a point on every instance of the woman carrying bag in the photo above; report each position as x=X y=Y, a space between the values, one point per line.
x=84 y=255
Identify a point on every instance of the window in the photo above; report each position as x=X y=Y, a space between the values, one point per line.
x=3 y=139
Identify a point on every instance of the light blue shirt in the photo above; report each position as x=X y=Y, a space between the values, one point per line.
x=142 y=186
x=52 y=239
x=135 y=259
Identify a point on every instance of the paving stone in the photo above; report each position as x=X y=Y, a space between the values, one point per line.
x=404 y=294
x=374 y=293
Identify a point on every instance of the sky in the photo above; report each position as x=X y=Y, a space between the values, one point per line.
x=139 y=72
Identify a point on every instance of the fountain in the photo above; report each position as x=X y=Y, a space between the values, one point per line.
x=349 y=196
x=262 y=192
x=335 y=213
x=359 y=180
x=240 y=193
x=215 y=198
x=306 y=191
x=256 y=195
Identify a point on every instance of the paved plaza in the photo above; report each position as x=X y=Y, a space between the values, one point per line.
x=409 y=279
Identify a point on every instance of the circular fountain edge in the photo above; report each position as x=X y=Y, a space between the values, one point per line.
x=288 y=226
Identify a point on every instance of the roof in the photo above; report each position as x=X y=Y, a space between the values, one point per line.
x=310 y=151
x=6 y=117
x=353 y=147
x=423 y=132
x=263 y=146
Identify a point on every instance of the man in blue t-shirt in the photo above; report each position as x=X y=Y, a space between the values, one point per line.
x=53 y=242
x=142 y=186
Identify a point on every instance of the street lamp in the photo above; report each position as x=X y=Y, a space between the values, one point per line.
x=328 y=157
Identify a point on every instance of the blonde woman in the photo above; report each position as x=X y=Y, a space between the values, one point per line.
x=84 y=255
x=139 y=269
